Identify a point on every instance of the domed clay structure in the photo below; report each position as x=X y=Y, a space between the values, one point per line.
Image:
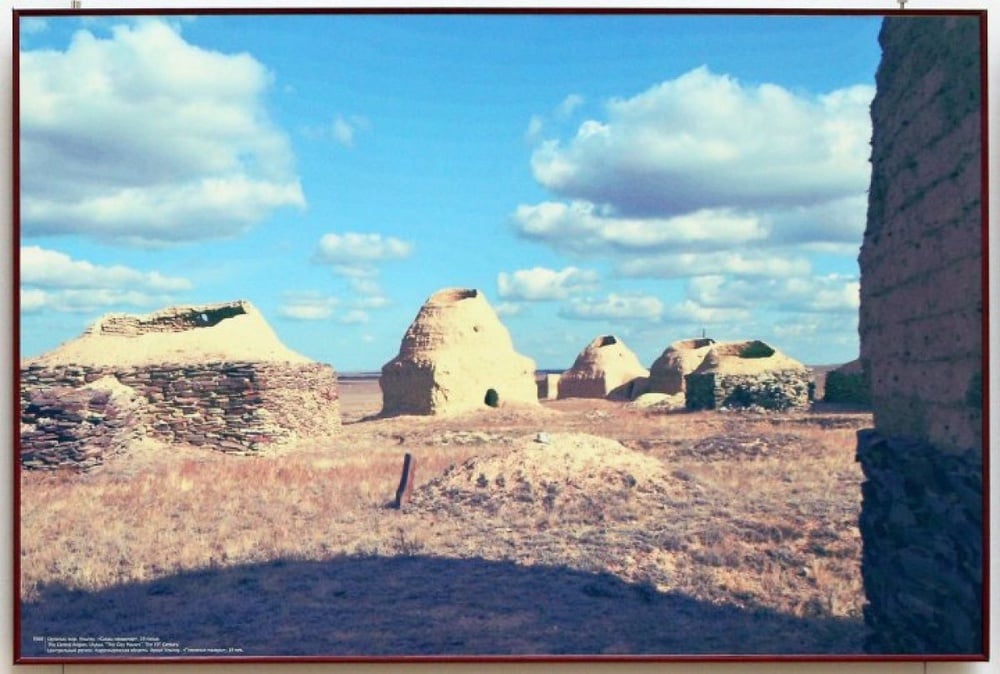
x=456 y=356
x=605 y=368
x=667 y=373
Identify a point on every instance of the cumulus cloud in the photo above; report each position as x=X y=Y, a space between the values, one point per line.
x=707 y=141
x=583 y=228
x=141 y=138
x=353 y=250
x=618 y=307
x=703 y=175
x=539 y=283
x=52 y=269
x=832 y=293
x=53 y=280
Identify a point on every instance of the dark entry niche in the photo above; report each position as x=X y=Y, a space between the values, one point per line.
x=492 y=397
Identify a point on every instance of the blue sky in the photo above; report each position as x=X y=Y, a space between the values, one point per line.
x=653 y=177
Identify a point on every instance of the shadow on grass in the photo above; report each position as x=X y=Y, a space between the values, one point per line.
x=415 y=605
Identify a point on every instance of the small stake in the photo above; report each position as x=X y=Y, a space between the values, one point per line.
x=405 y=481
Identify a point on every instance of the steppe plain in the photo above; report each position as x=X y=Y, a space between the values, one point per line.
x=625 y=531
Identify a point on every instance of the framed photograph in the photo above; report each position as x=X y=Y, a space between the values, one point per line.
x=499 y=333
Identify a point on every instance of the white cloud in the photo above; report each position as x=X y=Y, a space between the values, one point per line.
x=345 y=129
x=706 y=141
x=309 y=306
x=619 y=307
x=33 y=299
x=343 y=132
x=356 y=254
x=316 y=306
x=738 y=262
x=55 y=281
x=52 y=269
x=72 y=300
x=142 y=138
x=568 y=105
x=508 y=308
x=582 y=228
x=832 y=293
x=689 y=311
x=535 y=126
x=539 y=284
x=355 y=317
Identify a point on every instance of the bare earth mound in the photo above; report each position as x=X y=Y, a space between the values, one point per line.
x=562 y=472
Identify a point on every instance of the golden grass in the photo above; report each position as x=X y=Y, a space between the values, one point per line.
x=91 y=532
x=757 y=514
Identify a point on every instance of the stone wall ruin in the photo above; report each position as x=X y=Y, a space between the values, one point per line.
x=747 y=374
x=93 y=396
x=922 y=333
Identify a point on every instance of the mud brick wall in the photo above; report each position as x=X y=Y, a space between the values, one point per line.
x=231 y=407
x=921 y=328
x=921 y=260
x=779 y=390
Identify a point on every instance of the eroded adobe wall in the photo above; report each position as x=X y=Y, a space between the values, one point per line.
x=230 y=407
x=921 y=261
x=177 y=319
x=921 y=341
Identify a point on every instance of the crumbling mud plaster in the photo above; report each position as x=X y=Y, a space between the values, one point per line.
x=921 y=329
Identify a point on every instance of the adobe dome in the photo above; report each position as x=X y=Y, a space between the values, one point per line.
x=454 y=354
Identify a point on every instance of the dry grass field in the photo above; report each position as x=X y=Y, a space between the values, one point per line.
x=631 y=531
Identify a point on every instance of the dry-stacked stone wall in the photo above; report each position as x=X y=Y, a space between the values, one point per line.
x=232 y=407
x=777 y=390
x=75 y=428
x=921 y=329
x=923 y=554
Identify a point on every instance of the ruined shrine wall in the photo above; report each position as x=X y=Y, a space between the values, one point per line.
x=921 y=262
x=921 y=334
x=231 y=407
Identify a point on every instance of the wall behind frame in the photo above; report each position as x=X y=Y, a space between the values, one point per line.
x=6 y=377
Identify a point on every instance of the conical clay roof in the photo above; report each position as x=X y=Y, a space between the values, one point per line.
x=666 y=375
x=606 y=367
x=224 y=332
x=746 y=357
x=454 y=353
